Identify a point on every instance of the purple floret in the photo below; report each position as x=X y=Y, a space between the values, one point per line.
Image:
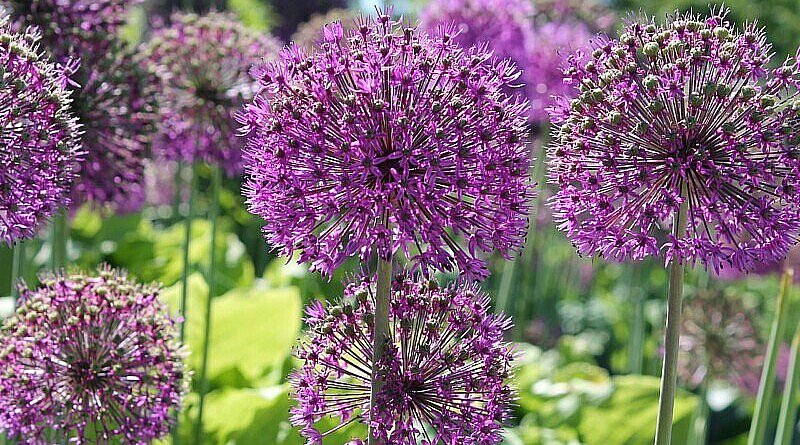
x=445 y=372
x=682 y=111
x=39 y=138
x=90 y=359
x=389 y=139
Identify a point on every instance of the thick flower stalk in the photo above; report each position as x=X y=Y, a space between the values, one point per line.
x=681 y=114
x=89 y=359
x=389 y=140
x=445 y=370
x=39 y=137
x=204 y=85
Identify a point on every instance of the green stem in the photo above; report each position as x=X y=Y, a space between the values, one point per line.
x=506 y=280
x=669 y=374
x=788 y=417
x=176 y=439
x=17 y=263
x=212 y=292
x=382 y=300
x=58 y=241
x=637 y=334
x=766 y=389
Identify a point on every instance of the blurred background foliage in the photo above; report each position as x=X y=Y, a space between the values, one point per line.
x=588 y=332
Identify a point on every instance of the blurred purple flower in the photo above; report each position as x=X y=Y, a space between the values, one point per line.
x=682 y=111
x=40 y=138
x=535 y=35
x=445 y=370
x=114 y=95
x=73 y=27
x=117 y=104
x=388 y=139
x=204 y=85
x=89 y=359
x=720 y=341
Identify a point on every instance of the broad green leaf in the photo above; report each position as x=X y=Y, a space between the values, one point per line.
x=629 y=416
x=252 y=330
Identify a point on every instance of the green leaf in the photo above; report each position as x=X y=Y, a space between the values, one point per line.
x=235 y=269
x=252 y=330
x=629 y=416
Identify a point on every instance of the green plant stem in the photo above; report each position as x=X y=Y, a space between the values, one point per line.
x=58 y=242
x=17 y=266
x=382 y=300
x=787 y=421
x=637 y=337
x=766 y=388
x=669 y=377
x=187 y=240
x=212 y=291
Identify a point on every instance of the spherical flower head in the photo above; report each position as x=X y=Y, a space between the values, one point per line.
x=117 y=103
x=73 y=27
x=204 y=85
x=39 y=138
x=89 y=359
x=444 y=372
x=683 y=112
x=720 y=341
x=308 y=36
x=388 y=139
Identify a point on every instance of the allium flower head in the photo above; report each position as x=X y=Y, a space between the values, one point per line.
x=39 y=138
x=535 y=35
x=388 y=139
x=681 y=111
x=719 y=340
x=206 y=84
x=73 y=27
x=444 y=371
x=89 y=359
x=116 y=100
x=114 y=95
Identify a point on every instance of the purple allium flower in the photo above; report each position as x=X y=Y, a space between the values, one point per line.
x=533 y=34
x=720 y=341
x=684 y=111
x=308 y=36
x=116 y=101
x=39 y=138
x=204 y=85
x=73 y=27
x=115 y=97
x=89 y=359
x=506 y=26
x=388 y=139
x=445 y=370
